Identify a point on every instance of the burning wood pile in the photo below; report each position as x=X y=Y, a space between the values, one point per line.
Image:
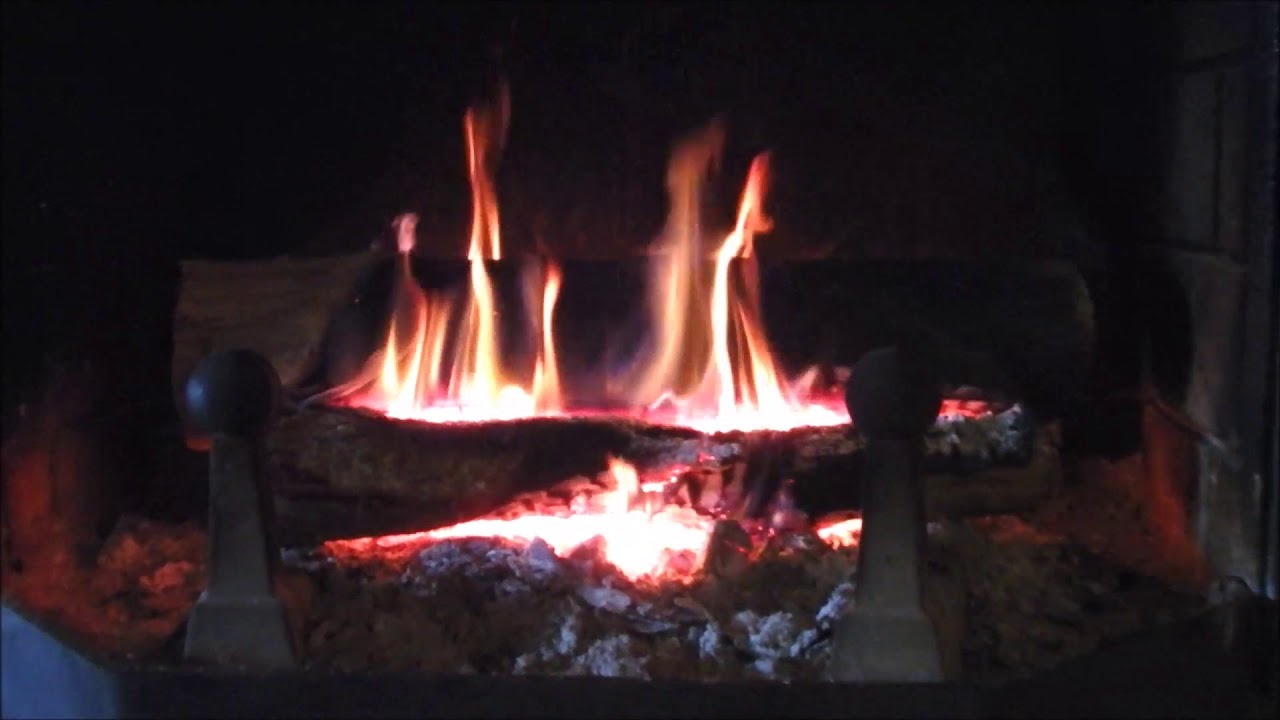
x=450 y=503
x=609 y=591
x=438 y=417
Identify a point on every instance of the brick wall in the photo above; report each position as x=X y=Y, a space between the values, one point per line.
x=1207 y=243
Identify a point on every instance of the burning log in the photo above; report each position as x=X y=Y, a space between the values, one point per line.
x=343 y=472
x=340 y=472
x=1021 y=326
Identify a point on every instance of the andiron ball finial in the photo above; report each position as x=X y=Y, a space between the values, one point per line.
x=888 y=395
x=233 y=392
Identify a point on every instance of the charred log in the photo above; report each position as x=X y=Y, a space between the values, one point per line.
x=343 y=473
x=340 y=472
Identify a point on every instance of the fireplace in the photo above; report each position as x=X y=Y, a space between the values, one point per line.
x=672 y=359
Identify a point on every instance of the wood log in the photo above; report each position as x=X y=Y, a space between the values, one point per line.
x=343 y=473
x=340 y=473
x=280 y=308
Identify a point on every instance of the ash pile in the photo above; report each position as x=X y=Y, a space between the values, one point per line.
x=1015 y=602
x=756 y=609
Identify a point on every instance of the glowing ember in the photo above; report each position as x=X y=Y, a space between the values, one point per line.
x=639 y=542
x=843 y=533
x=642 y=539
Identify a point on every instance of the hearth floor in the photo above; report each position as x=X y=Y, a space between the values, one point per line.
x=1031 y=592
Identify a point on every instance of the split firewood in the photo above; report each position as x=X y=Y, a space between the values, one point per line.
x=280 y=308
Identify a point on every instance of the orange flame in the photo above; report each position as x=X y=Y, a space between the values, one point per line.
x=710 y=366
x=677 y=300
x=411 y=380
x=546 y=373
x=712 y=360
x=407 y=378
x=841 y=533
x=638 y=542
x=639 y=539
x=475 y=371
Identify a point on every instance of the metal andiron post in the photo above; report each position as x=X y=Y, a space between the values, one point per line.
x=238 y=620
x=887 y=636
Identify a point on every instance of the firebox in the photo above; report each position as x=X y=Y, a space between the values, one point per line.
x=653 y=360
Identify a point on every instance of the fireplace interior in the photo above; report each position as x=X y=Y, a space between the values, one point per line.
x=647 y=359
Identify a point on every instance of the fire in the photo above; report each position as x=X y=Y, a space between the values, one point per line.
x=546 y=373
x=412 y=380
x=406 y=377
x=709 y=365
x=712 y=368
x=841 y=533
x=640 y=541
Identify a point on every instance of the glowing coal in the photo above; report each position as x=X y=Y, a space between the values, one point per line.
x=642 y=537
x=664 y=542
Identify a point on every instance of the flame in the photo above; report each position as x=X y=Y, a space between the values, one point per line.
x=476 y=376
x=711 y=362
x=641 y=541
x=677 y=300
x=412 y=382
x=842 y=533
x=406 y=377
x=546 y=374
x=638 y=542
x=709 y=366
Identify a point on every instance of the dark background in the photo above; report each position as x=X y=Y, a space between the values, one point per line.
x=247 y=129
x=136 y=134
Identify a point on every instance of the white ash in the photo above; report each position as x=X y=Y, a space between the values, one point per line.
x=613 y=656
x=660 y=453
x=605 y=598
x=772 y=639
x=838 y=602
x=994 y=436
x=710 y=641
x=997 y=435
x=493 y=606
